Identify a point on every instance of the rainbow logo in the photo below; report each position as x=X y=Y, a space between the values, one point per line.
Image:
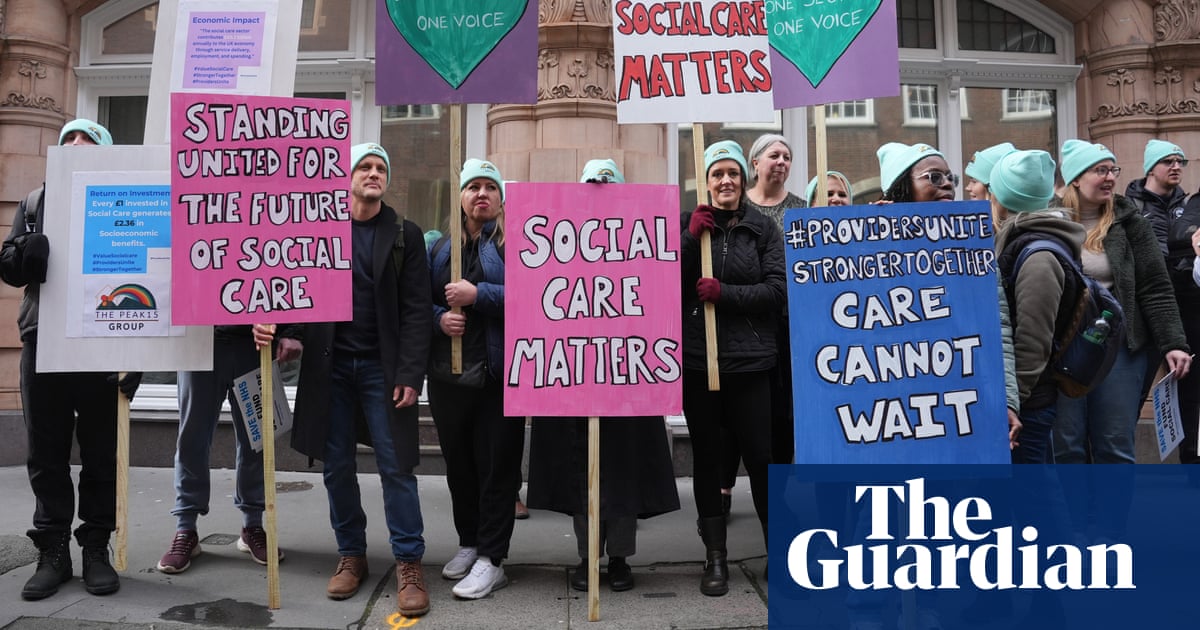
x=128 y=297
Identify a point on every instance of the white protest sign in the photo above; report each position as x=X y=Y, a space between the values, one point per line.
x=247 y=393
x=1168 y=427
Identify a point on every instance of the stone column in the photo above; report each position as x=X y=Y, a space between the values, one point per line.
x=1141 y=78
x=575 y=118
x=36 y=80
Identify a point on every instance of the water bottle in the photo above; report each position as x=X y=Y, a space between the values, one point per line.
x=1098 y=331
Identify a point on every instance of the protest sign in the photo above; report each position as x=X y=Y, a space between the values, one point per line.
x=687 y=62
x=1168 y=427
x=826 y=52
x=261 y=217
x=592 y=299
x=895 y=329
x=247 y=395
x=456 y=51
x=224 y=46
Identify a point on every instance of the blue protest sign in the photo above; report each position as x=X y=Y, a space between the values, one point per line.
x=895 y=331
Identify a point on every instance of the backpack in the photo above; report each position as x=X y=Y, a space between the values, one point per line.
x=1078 y=363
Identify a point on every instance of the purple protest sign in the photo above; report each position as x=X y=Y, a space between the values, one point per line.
x=455 y=51
x=830 y=52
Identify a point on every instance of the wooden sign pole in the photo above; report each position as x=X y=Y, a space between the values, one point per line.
x=593 y=518
x=706 y=263
x=119 y=561
x=268 y=433
x=821 y=194
x=455 y=225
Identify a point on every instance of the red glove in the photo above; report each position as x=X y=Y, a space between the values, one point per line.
x=702 y=219
x=708 y=290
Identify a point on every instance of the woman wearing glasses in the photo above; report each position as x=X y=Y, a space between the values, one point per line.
x=1122 y=253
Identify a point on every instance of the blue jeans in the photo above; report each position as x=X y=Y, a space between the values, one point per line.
x=1035 y=443
x=1102 y=423
x=358 y=385
x=200 y=396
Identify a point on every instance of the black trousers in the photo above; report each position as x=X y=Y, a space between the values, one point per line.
x=59 y=405
x=483 y=450
x=743 y=408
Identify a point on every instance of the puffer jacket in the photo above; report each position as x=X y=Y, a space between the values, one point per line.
x=489 y=302
x=748 y=261
x=1173 y=218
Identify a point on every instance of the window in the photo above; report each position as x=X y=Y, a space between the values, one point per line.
x=916 y=23
x=1021 y=103
x=920 y=105
x=393 y=113
x=325 y=26
x=984 y=26
x=124 y=117
x=132 y=34
x=849 y=113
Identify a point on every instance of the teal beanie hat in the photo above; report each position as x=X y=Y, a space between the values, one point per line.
x=1079 y=155
x=360 y=151
x=896 y=157
x=1023 y=181
x=811 y=189
x=474 y=169
x=1158 y=150
x=602 y=172
x=980 y=167
x=93 y=129
x=725 y=150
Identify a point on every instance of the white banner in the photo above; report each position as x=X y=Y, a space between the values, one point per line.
x=687 y=62
x=247 y=393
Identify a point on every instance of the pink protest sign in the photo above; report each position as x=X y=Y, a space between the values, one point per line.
x=260 y=220
x=592 y=299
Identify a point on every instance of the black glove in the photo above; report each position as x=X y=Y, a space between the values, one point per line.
x=35 y=253
x=128 y=384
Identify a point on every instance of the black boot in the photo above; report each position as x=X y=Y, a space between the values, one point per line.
x=715 y=580
x=54 y=564
x=99 y=578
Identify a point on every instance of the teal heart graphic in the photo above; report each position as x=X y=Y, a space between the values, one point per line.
x=454 y=36
x=813 y=34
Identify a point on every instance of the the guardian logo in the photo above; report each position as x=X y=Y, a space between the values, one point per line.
x=931 y=544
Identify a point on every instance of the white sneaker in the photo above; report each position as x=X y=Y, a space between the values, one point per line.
x=460 y=565
x=484 y=578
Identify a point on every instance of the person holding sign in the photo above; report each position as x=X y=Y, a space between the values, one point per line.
x=362 y=378
x=979 y=169
x=200 y=396
x=837 y=190
x=1122 y=253
x=482 y=446
x=1021 y=187
x=917 y=173
x=748 y=291
x=58 y=405
x=637 y=479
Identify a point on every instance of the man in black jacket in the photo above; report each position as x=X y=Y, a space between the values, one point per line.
x=1160 y=198
x=59 y=404
x=359 y=381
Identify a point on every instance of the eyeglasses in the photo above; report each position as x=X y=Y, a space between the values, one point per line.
x=1174 y=162
x=1105 y=171
x=937 y=178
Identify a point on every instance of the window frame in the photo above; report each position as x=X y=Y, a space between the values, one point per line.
x=866 y=120
x=1024 y=115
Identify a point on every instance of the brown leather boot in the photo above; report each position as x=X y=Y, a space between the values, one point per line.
x=350 y=573
x=411 y=597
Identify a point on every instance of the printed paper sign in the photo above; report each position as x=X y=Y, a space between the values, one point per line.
x=124 y=290
x=592 y=300
x=826 y=52
x=261 y=219
x=1168 y=427
x=224 y=46
x=895 y=328
x=681 y=62
x=456 y=51
x=247 y=394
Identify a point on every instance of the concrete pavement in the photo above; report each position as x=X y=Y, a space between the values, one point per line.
x=225 y=589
